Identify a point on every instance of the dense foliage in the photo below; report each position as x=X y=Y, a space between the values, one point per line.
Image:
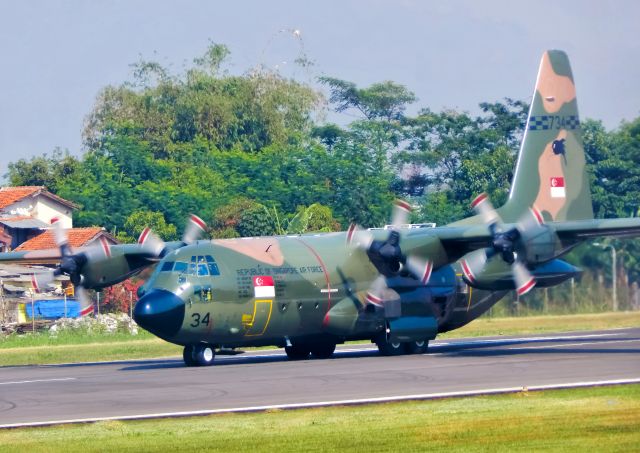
x=250 y=155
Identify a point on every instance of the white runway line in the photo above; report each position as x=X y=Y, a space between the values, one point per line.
x=498 y=341
x=38 y=380
x=586 y=343
x=351 y=402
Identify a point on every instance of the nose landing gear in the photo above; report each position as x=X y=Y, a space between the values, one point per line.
x=200 y=354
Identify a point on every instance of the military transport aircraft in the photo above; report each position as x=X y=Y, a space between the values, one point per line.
x=398 y=288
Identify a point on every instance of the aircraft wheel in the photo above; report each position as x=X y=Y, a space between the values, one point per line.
x=297 y=352
x=389 y=348
x=323 y=350
x=188 y=355
x=416 y=347
x=204 y=354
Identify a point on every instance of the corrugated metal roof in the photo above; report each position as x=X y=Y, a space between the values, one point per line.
x=27 y=223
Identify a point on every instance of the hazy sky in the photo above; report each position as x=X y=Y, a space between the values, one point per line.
x=57 y=55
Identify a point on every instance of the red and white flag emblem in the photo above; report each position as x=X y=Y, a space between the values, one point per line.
x=263 y=286
x=557 y=187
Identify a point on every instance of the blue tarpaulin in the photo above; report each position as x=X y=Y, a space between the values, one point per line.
x=53 y=309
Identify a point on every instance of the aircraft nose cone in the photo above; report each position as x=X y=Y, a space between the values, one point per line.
x=160 y=312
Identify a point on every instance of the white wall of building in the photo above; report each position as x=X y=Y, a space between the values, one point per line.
x=42 y=208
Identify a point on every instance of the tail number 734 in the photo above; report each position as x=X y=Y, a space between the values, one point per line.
x=199 y=320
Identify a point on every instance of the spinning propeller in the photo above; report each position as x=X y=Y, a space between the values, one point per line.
x=71 y=264
x=387 y=256
x=97 y=254
x=508 y=244
x=155 y=246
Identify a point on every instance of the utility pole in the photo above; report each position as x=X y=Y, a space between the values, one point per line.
x=33 y=315
x=614 y=275
x=4 y=315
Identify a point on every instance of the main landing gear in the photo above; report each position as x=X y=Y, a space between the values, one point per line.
x=390 y=348
x=200 y=354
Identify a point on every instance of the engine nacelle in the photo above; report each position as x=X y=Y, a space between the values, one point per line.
x=497 y=275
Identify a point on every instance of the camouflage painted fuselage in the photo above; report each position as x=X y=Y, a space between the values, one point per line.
x=319 y=290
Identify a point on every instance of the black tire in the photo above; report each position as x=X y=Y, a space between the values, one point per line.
x=416 y=347
x=388 y=348
x=188 y=355
x=297 y=352
x=323 y=350
x=204 y=354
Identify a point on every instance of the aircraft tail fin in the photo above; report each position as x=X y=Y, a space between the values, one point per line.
x=551 y=168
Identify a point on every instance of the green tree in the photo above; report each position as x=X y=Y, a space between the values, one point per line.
x=43 y=170
x=141 y=219
x=386 y=100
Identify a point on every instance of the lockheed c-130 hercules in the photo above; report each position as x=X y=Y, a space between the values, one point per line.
x=398 y=288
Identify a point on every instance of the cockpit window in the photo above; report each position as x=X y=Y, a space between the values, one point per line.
x=200 y=265
x=203 y=269
x=180 y=266
x=213 y=267
x=167 y=266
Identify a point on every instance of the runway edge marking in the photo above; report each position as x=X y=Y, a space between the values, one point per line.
x=351 y=402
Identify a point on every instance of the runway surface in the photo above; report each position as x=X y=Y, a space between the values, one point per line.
x=48 y=393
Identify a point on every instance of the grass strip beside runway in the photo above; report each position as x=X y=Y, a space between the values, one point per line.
x=42 y=349
x=598 y=419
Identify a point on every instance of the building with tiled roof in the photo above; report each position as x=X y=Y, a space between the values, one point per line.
x=37 y=202
x=77 y=237
x=26 y=211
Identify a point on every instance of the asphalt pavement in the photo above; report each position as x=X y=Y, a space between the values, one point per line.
x=260 y=379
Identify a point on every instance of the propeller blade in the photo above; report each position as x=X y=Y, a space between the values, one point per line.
x=150 y=242
x=530 y=220
x=99 y=250
x=86 y=304
x=41 y=280
x=483 y=207
x=472 y=264
x=421 y=269
x=375 y=294
x=359 y=238
x=523 y=279
x=194 y=229
x=401 y=211
x=60 y=235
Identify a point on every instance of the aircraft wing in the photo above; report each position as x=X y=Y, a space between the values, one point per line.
x=52 y=256
x=577 y=230
x=444 y=245
x=98 y=269
x=448 y=244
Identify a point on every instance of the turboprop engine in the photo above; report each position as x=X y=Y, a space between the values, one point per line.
x=513 y=251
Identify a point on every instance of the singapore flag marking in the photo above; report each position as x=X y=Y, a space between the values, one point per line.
x=557 y=187
x=263 y=286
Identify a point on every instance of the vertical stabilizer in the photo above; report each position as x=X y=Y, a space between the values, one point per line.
x=550 y=172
